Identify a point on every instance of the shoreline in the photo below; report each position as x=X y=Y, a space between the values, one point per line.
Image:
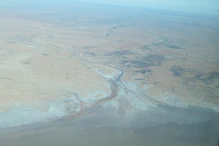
x=104 y=118
x=57 y=109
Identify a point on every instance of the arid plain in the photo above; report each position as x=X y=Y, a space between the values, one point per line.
x=56 y=62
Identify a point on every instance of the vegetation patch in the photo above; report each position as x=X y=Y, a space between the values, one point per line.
x=164 y=43
x=174 y=47
x=147 y=61
x=144 y=71
x=135 y=63
x=154 y=59
x=208 y=77
x=119 y=53
x=178 y=70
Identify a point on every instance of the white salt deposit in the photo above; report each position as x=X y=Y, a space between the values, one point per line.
x=21 y=115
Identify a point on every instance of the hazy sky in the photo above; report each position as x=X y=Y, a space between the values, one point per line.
x=201 y=6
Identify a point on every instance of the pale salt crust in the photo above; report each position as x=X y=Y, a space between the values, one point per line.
x=21 y=115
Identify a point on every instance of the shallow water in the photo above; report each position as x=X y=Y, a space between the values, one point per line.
x=163 y=125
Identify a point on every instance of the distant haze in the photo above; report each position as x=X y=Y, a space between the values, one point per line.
x=198 y=6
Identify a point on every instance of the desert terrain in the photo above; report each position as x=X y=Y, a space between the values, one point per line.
x=70 y=62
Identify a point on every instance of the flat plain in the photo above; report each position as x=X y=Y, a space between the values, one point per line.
x=68 y=60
